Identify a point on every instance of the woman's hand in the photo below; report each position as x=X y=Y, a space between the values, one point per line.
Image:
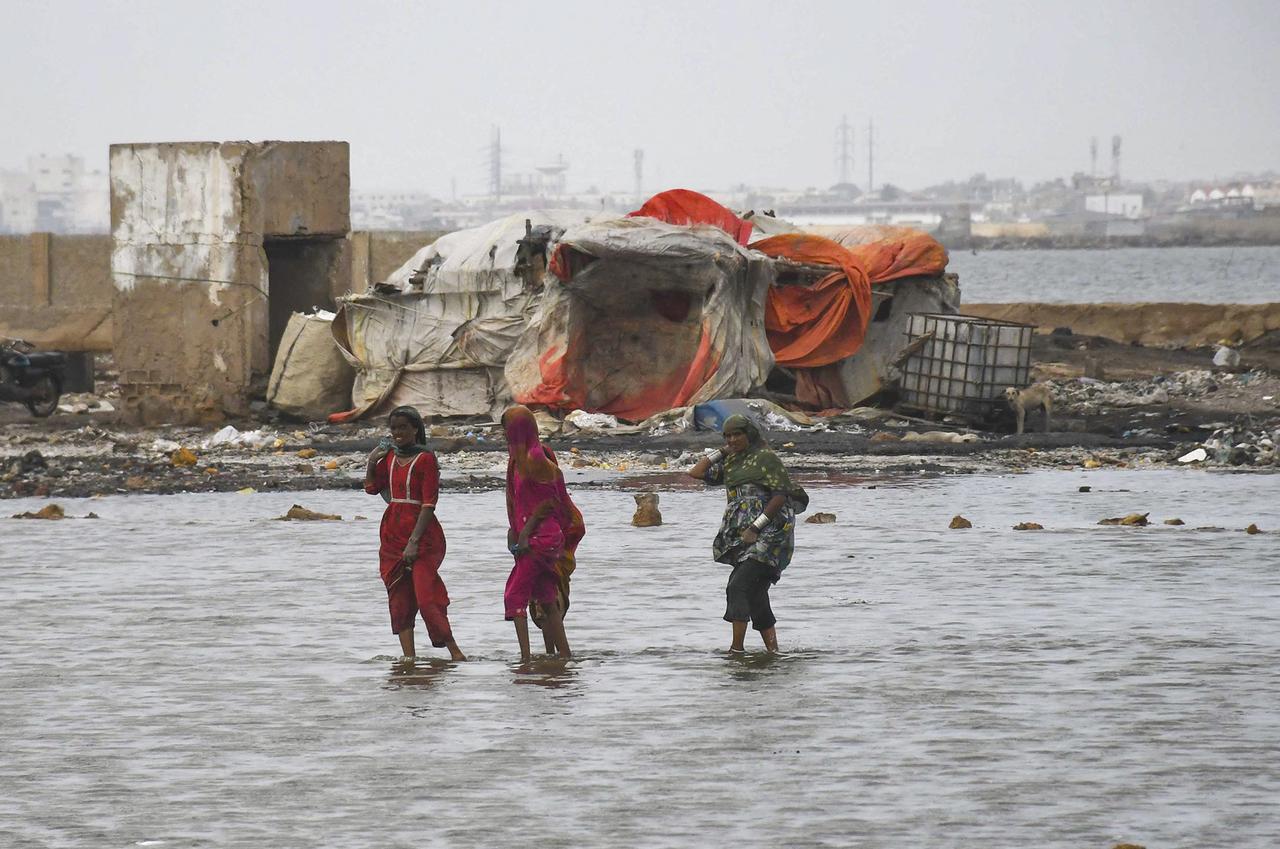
x=410 y=552
x=750 y=535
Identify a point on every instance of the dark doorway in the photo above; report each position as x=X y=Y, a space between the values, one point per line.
x=299 y=275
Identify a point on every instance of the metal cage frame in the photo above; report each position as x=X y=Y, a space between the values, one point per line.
x=962 y=363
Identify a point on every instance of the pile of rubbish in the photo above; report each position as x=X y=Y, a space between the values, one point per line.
x=1236 y=446
x=1087 y=396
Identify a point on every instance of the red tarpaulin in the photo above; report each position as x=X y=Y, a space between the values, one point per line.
x=682 y=206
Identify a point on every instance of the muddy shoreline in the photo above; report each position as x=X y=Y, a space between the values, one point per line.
x=1153 y=407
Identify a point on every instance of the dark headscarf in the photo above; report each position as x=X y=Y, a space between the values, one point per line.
x=756 y=465
x=420 y=439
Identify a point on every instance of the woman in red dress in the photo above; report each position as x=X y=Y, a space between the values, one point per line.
x=407 y=477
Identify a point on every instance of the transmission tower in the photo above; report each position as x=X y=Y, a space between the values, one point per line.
x=871 y=159
x=495 y=164
x=639 y=168
x=844 y=148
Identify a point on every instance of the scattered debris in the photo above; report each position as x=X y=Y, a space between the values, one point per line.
x=821 y=519
x=307 y=453
x=49 y=511
x=1133 y=519
x=1253 y=529
x=959 y=523
x=591 y=421
x=183 y=457
x=1085 y=489
x=647 y=514
x=299 y=513
x=1028 y=526
x=1174 y=522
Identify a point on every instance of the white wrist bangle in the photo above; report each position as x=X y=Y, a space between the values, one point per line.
x=715 y=455
x=760 y=522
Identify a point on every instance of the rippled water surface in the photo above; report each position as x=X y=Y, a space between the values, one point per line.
x=1243 y=275
x=186 y=672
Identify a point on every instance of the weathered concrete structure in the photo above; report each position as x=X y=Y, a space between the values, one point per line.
x=56 y=291
x=214 y=246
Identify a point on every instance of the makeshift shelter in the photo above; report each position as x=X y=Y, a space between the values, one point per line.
x=639 y=316
x=635 y=315
x=821 y=309
x=437 y=332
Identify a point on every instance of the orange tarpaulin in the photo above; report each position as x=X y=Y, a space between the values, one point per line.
x=682 y=206
x=810 y=326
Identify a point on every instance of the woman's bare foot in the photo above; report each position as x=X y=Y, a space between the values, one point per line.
x=454 y=651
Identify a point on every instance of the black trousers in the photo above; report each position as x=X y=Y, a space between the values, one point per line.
x=747 y=595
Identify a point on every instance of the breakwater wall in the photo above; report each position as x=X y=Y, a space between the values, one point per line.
x=1157 y=325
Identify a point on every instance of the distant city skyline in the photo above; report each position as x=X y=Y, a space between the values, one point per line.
x=715 y=94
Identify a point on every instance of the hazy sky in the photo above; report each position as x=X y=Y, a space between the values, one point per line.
x=716 y=93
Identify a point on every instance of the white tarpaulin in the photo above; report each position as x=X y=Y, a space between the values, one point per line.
x=437 y=332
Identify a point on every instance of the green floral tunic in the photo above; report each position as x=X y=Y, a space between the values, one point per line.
x=745 y=502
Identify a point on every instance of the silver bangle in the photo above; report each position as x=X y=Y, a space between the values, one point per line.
x=714 y=455
x=761 y=521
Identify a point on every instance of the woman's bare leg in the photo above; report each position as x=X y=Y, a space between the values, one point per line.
x=739 y=634
x=770 y=637
x=454 y=651
x=553 y=628
x=406 y=642
x=522 y=636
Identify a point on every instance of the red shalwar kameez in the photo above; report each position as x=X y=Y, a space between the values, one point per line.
x=411 y=485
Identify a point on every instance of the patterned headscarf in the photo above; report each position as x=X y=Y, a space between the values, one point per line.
x=756 y=465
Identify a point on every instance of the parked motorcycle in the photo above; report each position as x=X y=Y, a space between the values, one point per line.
x=31 y=377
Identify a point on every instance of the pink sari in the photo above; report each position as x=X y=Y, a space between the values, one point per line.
x=541 y=574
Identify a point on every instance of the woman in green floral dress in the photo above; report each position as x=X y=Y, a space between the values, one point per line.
x=757 y=534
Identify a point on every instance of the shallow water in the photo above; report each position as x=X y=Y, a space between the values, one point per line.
x=186 y=672
x=1241 y=275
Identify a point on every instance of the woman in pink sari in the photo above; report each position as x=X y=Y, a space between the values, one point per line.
x=544 y=528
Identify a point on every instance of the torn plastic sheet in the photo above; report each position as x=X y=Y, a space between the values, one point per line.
x=648 y=316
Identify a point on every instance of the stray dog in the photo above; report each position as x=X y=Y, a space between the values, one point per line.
x=1035 y=396
x=647 y=515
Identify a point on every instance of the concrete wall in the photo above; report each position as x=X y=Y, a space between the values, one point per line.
x=56 y=291
x=1169 y=325
x=375 y=254
x=192 y=335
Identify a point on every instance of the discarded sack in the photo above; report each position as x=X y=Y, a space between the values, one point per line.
x=310 y=378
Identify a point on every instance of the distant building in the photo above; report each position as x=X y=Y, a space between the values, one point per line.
x=1230 y=195
x=1124 y=204
x=393 y=211
x=55 y=194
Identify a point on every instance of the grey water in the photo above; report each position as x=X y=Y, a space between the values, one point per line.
x=1223 y=275
x=186 y=672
